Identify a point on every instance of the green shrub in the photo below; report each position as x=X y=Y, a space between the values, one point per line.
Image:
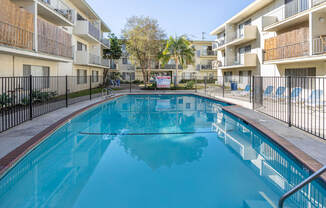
x=190 y=85
x=5 y=100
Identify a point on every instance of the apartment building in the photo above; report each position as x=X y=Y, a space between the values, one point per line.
x=273 y=38
x=51 y=38
x=203 y=66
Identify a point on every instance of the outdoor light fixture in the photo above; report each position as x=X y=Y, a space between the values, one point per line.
x=321 y=19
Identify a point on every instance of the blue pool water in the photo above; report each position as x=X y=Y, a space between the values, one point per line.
x=163 y=151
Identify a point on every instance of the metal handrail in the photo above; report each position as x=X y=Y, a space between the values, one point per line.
x=301 y=185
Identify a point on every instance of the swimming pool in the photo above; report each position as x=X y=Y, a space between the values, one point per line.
x=157 y=151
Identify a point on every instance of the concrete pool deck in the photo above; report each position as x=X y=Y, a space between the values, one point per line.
x=306 y=148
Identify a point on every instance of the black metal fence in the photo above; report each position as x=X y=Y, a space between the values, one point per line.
x=299 y=101
x=24 y=98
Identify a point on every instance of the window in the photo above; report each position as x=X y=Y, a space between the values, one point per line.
x=124 y=60
x=94 y=76
x=43 y=74
x=81 y=76
x=81 y=47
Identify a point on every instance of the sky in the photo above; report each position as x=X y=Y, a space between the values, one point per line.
x=176 y=17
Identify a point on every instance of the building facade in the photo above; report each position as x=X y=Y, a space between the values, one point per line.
x=51 y=38
x=273 y=38
x=202 y=67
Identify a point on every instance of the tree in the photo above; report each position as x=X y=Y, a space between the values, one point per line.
x=114 y=52
x=144 y=38
x=180 y=50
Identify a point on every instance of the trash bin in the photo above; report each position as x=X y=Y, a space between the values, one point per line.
x=234 y=86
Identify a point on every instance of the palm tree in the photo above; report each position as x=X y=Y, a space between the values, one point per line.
x=180 y=50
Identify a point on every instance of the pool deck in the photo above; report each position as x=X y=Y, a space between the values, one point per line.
x=306 y=148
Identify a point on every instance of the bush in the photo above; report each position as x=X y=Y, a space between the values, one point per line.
x=39 y=97
x=190 y=85
x=5 y=100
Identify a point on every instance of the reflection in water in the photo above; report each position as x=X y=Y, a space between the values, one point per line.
x=176 y=150
x=269 y=162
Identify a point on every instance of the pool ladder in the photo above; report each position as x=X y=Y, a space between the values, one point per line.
x=301 y=185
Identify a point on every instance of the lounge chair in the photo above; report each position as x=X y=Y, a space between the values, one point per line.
x=244 y=92
x=315 y=99
x=268 y=91
x=295 y=94
x=279 y=94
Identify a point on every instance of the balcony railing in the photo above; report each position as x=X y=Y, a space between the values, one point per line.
x=317 y=2
x=92 y=29
x=61 y=8
x=287 y=10
x=289 y=51
x=54 y=47
x=106 y=42
x=248 y=33
x=206 y=67
x=208 y=53
x=105 y=62
x=85 y=29
x=170 y=66
x=15 y=36
x=319 y=45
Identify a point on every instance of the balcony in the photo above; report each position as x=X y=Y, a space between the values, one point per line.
x=56 y=11
x=54 y=47
x=14 y=36
x=87 y=30
x=208 y=53
x=169 y=66
x=248 y=33
x=286 y=52
x=204 y=67
x=287 y=15
x=85 y=58
x=105 y=42
x=248 y=60
x=219 y=45
x=317 y=2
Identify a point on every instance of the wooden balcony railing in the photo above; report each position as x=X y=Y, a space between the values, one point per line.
x=289 y=51
x=15 y=36
x=54 y=47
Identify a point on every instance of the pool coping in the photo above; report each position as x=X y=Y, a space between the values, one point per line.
x=11 y=159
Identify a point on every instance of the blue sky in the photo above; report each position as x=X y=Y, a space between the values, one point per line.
x=191 y=17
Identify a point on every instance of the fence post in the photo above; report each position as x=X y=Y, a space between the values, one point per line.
x=205 y=82
x=66 y=91
x=129 y=82
x=289 y=101
x=251 y=87
x=253 y=92
x=223 y=85
x=90 y=87
x=195 y=83
x=30 y=97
